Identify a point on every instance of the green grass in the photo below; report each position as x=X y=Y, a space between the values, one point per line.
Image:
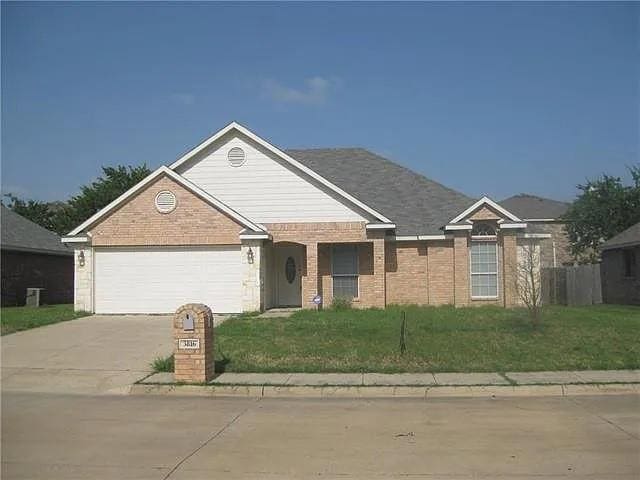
x=438 y=339
x=15 y=319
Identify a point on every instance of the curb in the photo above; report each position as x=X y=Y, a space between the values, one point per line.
x=477 y=391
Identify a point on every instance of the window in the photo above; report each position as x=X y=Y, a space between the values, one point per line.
x=484 y=270
x=344 y=267
x=483 y=230
x=629 y=263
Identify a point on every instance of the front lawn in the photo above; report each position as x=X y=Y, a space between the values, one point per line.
x=14 y=319
x=438 y=339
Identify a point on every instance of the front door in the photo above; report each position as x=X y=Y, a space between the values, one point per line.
x=288 y=269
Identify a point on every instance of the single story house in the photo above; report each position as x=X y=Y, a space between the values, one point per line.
x=544 y=215
x=33 y=257
x=241 y=225
x=620 y=267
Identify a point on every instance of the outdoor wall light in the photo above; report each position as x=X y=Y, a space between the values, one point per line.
x=250 y=255
x=81 y=259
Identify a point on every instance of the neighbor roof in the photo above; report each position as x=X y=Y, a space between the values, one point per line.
x=18 y=233
x=416 y=204
x=626 y=238
x=530 y=207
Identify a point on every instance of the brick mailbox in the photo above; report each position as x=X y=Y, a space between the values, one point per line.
x=193 y=349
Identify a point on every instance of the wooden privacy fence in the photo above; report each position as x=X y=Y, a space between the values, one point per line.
x=579 y=285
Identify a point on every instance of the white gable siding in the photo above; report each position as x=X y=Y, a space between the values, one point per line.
x=263 y=189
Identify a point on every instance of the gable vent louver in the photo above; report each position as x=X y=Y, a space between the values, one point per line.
x=236 y=157
x=165 y=201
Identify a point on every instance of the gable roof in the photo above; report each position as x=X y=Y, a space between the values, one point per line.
x=416 y=204
x=626 y=238
x=530 y=207
x=284 y=156
x=19 y=233
x=485 y=201
x=178 y=179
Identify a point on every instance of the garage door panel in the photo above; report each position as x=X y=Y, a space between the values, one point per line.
x=160 y=280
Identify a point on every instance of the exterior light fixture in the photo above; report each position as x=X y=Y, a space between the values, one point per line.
x=81 y=258
x=250 y=255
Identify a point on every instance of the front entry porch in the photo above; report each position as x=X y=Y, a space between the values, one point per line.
x=298 y=273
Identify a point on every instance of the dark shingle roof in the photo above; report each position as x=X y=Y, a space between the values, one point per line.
x=626 y=238
x=528 y=206
x=415 y=203
x=18 y=233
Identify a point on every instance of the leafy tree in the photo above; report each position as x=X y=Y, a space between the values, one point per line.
x=95 y=196
x=62 y=217
x=605 y=208
x=34 y=210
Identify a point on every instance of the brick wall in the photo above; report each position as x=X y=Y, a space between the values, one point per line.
x=192 y=222
x=461 y=268
x=406 y=273
x=316 y=276
x=485 y=213
x=22 y=270
x=440 y=272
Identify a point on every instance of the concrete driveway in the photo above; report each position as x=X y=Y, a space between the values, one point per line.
x=93 y=355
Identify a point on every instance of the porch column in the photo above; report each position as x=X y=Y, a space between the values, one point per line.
x=379 y=276
x=310 y=279
x=83 y=278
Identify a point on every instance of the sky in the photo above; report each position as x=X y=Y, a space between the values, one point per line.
x=487 y=98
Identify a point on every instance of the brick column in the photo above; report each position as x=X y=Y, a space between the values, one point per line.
x=461 y=268
x=310 y=278
x=193 y=349
x=509 y=268
x=379 y=278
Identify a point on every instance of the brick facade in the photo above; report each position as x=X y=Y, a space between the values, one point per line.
x=406 y=271
x=192 y=222
x=434 y=272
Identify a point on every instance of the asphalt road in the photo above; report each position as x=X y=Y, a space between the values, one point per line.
x=55 y=436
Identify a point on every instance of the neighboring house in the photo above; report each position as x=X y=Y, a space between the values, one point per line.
x=240 y=225
x=32 y=256
x=620 y=267
x=543 y=215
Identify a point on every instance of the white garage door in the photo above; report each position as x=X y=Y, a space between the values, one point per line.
x=159 y=280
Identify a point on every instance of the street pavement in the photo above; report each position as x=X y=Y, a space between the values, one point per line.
x=56 y=436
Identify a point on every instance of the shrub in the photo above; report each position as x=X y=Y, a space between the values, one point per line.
x=341 y=303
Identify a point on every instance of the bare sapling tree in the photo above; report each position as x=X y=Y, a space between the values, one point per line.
x=527 y=277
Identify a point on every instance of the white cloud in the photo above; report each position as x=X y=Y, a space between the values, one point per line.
x=183 y=98
x=314 y=92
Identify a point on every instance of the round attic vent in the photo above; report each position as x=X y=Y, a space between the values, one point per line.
x=236 y=157
x=165 y=201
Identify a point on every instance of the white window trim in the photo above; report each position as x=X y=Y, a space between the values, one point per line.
x=485 y=239
x=357 y=275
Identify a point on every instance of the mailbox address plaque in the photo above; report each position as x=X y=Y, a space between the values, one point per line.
x=189 y=343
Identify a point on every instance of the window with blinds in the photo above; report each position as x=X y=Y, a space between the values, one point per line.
x=484 y=269
x=344 y=268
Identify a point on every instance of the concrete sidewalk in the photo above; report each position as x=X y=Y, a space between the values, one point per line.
x=415 y=379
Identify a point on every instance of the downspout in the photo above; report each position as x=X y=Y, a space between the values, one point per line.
x=553 y=245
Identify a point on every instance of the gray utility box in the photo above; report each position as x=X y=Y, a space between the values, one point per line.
x=35 y=297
